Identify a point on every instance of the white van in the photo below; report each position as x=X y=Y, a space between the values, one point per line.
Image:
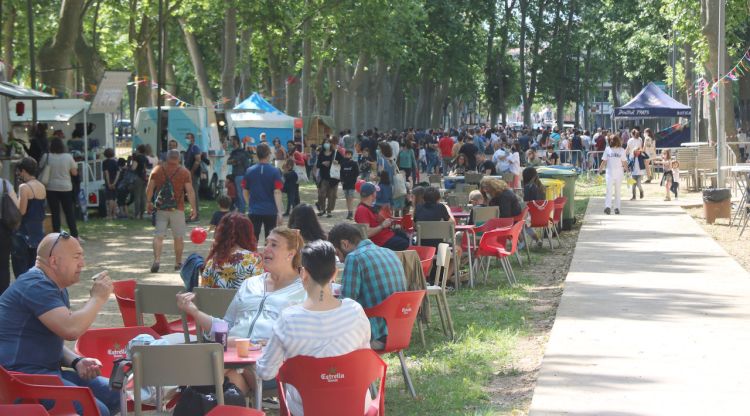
x=178 y=121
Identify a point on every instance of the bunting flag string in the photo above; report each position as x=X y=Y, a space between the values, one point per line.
x=739 y=70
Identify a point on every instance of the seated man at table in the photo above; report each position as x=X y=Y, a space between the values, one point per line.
x=371 y=274
x=378 y=228
x=35 y=319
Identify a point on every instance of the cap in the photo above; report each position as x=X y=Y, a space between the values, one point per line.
x=368 y=188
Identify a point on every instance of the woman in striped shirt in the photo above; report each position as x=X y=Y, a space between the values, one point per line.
x=321 y=327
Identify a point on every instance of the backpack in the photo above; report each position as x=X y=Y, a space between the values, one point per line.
x=127 y=181
x=165 y=198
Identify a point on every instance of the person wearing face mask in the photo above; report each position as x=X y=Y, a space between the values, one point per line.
x=328 y=190
x=260 y=299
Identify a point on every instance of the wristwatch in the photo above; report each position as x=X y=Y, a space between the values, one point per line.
x=75 y=362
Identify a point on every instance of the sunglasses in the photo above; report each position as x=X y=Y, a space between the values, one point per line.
x=64 y=235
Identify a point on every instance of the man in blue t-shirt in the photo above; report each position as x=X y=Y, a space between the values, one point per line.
x=262 y=190
x=35 y=320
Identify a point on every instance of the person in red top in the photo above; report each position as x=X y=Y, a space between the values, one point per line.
x=379 y=229
x=446 y=151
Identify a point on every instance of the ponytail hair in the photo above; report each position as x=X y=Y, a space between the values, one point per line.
x=294 y=242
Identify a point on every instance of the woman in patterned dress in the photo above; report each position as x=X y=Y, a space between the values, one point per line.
x=233 y=256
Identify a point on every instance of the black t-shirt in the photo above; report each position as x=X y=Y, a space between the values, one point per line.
x=508 y=203
x=218 y=215
x=140 y=170
x=531 y=192
x=470 y=150
x=431 y=212
x=290 y=181
x=110 y=165
x=325 y=171
x=349 y=173
x=488 y=166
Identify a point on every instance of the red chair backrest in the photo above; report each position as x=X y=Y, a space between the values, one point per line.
x=407 y=222
x=23 y=410
x=14 y=387
x=559 y=207
x=109 y=344
x=333 y=385
x=495 y=240
x=224 y=410
x=541 y=212
x=426 y=254
x=399 y=311
x=125 y=294
x=494 y=223
x=522 y=215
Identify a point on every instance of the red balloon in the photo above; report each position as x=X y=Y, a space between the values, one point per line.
x=198 y=235
x=358 y=185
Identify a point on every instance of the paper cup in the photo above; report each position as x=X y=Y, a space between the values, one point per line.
x=243 y=347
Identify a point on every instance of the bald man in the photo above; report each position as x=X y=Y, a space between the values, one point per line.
x=35 y=320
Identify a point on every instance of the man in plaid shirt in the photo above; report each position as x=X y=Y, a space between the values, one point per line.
x=371 y=274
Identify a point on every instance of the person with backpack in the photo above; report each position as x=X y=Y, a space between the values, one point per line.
x=167 y=186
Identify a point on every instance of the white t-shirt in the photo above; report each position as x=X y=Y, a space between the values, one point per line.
x=60 y=165
x=319 y=334
x=614 y=158
x=634 y=143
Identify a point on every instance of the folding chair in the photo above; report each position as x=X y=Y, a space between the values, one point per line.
x=445 y=231
x=161 y=299
x=31 y=388
x=541 y=212
x=108 y=345
x=557 y=214
x=185 y=364
x=480 y=215
x=522 y=217
x=399 y=311
x=212 y=301
x=334 y=385
x=124 y=291
x=438 y=290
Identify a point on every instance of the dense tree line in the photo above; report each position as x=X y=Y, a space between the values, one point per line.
x=385 y=63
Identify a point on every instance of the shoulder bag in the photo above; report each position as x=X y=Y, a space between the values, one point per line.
x=44 y=172
x=11 y=215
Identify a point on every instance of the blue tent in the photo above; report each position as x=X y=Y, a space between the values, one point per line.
x=257 y=103
x=652 y=102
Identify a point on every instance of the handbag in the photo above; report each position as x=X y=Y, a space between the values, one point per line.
x=9 y=212
x=399 y=183
x=301 y=173
x=199 y=400
x=45 y=172
x=335 y=170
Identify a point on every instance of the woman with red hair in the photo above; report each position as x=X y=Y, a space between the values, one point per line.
x=233 y=256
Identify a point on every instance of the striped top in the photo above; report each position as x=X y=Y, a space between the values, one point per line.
x=371 y=274
x=318 y=334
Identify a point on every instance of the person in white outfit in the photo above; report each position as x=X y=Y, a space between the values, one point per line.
x=634 y=142
x=616 y=162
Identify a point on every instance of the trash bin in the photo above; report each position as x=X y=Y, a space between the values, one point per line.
x=553 y=188
x=569 y=175
x=717 y=203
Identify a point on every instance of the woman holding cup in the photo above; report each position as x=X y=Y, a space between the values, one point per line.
x=259 y=300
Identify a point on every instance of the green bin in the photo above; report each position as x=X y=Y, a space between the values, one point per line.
x=569 y=175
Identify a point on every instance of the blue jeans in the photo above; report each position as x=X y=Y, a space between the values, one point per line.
x=107 y=400
x=432 y=161
x=241 y=206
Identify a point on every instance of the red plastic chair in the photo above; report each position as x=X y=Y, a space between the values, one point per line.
x=125 y=294
x=30 y=388
x=493 y=244
x=110 y=344
x=224 y=410
x=522 y=217
x=560 y=203
x=541 y=212
x=399 y=310
x=334 y=385
x=426 y=254
x=23 y=410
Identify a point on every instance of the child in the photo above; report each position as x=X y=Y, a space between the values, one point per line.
x=225 y=204
x=675 y=178
x=667 y=178
x=349 y=174
x=231 y=188
x=476 y=199
x=291 y=186
x=637 y=165
x=364 y=164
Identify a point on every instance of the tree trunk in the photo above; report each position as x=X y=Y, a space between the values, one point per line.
x=560 y=96
x=246 y=62
x=491 y=79
x=578 y=88
x=91 y=63
x=201 y=77
x=292 y=82
x=306 y=66
x=142 y=72
x=55 y=55
x=693 y=99
x=8 y=34
x=321 y=104
x=153 y=73
x=523 y=5
x=586 y=77
x=710 y=26
x=230 y=55
x=529 y=101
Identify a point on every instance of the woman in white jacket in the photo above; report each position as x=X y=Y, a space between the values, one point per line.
x=615 y=161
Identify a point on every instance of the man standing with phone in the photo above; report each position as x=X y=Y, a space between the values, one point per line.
x=36 y=319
